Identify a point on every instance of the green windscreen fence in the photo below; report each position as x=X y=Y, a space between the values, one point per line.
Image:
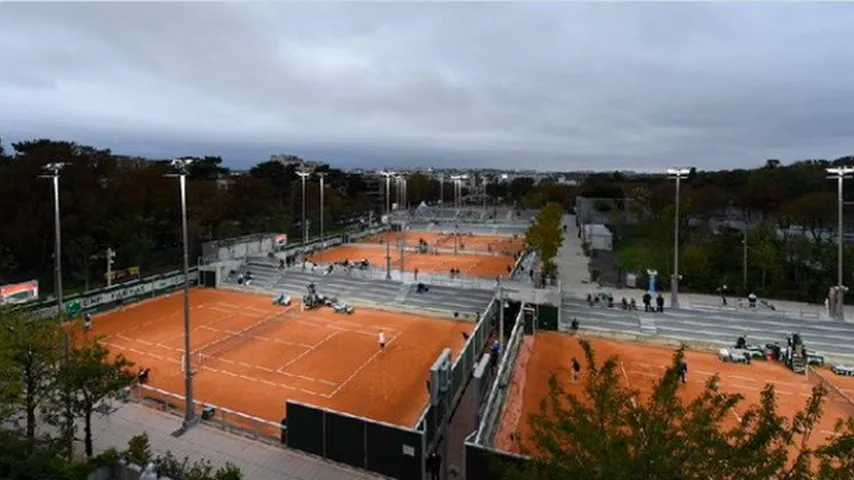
x=547 y=318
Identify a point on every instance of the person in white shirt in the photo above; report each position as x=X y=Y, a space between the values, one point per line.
x=382 y=340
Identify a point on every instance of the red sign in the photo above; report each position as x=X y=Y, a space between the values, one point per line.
x=19 y=292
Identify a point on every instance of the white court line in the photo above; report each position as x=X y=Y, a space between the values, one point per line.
x=306 y=352
x=361 y=367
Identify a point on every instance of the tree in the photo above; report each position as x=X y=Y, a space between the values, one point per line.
x=93 y=377
x=813 y=212
x=206 y=168
x=545 y=236
x=30 y=352
x=612 y=432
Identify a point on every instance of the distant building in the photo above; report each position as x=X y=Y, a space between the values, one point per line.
x=597 y=236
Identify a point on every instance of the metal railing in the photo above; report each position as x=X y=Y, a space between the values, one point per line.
x=220 y=417
x=494 y=408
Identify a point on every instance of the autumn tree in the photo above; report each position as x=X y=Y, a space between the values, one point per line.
x=611 y=431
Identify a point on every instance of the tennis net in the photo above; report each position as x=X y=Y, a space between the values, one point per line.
x=219 y=347
x=834 y=394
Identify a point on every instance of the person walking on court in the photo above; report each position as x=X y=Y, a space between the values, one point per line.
x=434 y=464
x=683 y=371
x=87 y=322
x=647 y=300
x=382 y=340
x=659 y=301
x=576 y=370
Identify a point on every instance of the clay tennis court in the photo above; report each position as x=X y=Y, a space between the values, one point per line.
x=641 y=366
x=318 y=356
x=467 y=242
x=481 y=266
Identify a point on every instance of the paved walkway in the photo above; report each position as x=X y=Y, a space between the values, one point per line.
x=575 y=283
x=257 y=461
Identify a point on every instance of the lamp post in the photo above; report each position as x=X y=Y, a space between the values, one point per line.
x=840 y=174
x=403 y=196
x=500 y=295
x=321 y=175
x=484 y=194
x=180 y=165
x=110 y=255
x=303 y=173
x=677 y=174
x=53 y=170
x=388 y=174
x=441 y=189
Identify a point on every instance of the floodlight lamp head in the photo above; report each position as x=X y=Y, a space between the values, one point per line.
x=181 y=164
x=844 y=171
x=678 y=172
x=54 y=167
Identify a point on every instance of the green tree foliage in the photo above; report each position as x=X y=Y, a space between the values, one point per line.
x=206 y=168
x=29 y=353
x=168 y=465
x=128 y=205
x=546 y=235
x=790 y=212
x=612 y=432
x=93 y=377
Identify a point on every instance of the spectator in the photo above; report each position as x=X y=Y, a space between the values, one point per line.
x=683 y=371
x=576 y=370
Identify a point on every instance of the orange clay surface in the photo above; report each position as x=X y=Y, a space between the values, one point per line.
x=641 y=365
x=482 y=266
x=317 y=357
x=478 y=243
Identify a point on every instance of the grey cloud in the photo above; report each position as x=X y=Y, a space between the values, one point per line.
x=549 y=86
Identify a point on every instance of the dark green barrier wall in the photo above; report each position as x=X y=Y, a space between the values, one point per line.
x=305 y=428
x=393 y=451
x=488 y=464
x=548 y=317
x=345 y=439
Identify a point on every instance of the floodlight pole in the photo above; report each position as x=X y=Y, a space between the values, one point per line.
x=321 y=175
x=500 y=318
x=744 y=261
x=484 y=194
x=54 y=169
x=53 y=173
x=677 y=174
x=388 y=175
x=402 y=269
x=456 y=238
x=840 y=174
x=190 y=418
x=388 y=260
x=441 y=189
x=111 y=254
x=303 y=174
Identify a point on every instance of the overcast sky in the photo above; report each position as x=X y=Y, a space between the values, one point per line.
x=547 y=86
